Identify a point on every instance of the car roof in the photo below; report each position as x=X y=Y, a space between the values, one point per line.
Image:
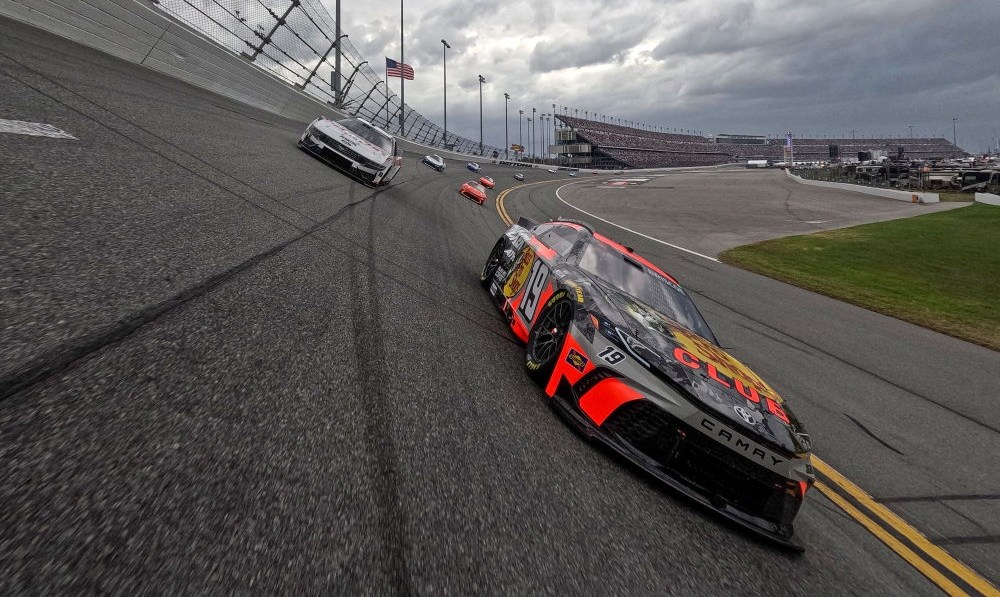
x=624 y=250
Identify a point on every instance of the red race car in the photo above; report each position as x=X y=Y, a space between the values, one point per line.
x=475 y=191
x=487 y=182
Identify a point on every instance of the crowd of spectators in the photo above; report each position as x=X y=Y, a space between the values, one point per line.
x=639 y=148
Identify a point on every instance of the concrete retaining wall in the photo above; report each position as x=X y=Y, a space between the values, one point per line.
x=988 y=198
x=908 y=196
x=134 y=31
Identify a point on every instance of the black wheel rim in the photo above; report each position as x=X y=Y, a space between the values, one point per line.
x=550 y=330
x=492 y=262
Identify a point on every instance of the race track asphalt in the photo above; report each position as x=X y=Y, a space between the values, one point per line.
x=228 y=367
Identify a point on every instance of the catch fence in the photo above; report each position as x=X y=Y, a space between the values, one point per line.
x=295 y=40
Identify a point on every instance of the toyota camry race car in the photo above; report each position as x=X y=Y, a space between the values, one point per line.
x=627 y=358
x=355 y=146
x=472 y=166
x=487 y=182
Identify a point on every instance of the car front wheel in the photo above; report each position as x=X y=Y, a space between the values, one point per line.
x=546 y=339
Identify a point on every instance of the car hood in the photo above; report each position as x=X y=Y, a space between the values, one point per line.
x=341 y=134
x=703 y=372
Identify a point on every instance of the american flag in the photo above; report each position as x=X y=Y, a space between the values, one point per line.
x=398 y=69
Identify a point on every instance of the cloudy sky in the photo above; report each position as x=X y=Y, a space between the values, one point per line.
x=816 y=68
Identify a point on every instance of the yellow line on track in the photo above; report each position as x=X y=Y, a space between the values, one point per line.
x=918 y=539
x=894 y=544
x=886 y=516
x=502 y=211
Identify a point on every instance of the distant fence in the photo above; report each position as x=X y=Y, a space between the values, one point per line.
x=294 y=40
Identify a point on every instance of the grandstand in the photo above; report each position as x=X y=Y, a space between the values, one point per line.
x=616 y=146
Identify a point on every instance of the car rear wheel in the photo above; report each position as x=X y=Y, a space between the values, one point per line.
x=546 y=339
x=492 y=264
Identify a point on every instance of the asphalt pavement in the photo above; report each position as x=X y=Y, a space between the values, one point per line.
x=229 y=367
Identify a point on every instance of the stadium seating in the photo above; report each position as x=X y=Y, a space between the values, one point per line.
x=637 y=148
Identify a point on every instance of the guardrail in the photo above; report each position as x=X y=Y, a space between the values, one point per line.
x=908 y=196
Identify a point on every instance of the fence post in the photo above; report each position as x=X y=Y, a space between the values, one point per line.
x=267 y=38
x=364 y=101
x=321 y=60
x=350 y=82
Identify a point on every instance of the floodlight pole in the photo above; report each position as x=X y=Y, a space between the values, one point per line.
x=481 y=81
x=444 y=63
x=506 y=141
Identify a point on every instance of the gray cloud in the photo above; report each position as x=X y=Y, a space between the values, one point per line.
x=824 y=67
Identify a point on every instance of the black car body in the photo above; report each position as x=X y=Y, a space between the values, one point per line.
x=626 y=356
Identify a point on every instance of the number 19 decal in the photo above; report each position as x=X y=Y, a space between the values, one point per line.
x=612 y=355
x=533 y=289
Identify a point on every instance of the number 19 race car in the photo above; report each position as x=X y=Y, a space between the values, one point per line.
x=628 y=359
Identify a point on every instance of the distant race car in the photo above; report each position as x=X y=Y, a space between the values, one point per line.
x=434 y=161
x=573 y=174
x=475 y=191
x=518 y=176
x=487 y=182
x=626 y=356
x=472 y=166
x=354 y=146
x=551 y=171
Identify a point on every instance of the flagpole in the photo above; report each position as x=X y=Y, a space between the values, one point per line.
x=402 y=78
x=387 y=96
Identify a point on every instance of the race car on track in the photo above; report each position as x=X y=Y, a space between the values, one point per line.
x=625 y=355
x=518 y=176
x=487 y=182
x=434 y=161
x=472 y=166
x=473 y=190
x=355 y=146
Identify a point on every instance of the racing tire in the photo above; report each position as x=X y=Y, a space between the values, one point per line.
x=492 y=264
x=545 y=341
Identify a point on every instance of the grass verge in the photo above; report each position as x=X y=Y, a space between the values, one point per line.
x=940 y=270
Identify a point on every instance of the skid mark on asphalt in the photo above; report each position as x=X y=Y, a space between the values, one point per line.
x=370 y=358
x=65 y=355
x=872 y=435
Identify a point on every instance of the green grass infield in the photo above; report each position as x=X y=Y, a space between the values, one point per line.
x=940 y=270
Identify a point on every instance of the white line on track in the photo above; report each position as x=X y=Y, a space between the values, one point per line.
x=646 y=236
x=35 y=129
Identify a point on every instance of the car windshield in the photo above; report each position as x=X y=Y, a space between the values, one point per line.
x=368 y=133
x=478 y=187
x=649 y=287
x=436 y=158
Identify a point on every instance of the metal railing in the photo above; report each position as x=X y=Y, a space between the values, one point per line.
x=294 y=40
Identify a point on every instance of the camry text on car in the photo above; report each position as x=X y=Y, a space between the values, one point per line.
x=355 y=146
x=624 y=353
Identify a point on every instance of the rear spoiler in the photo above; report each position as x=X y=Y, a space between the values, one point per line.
x=524 y=222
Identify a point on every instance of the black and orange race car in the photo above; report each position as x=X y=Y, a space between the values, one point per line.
x=473 y=190
x=628 y=359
